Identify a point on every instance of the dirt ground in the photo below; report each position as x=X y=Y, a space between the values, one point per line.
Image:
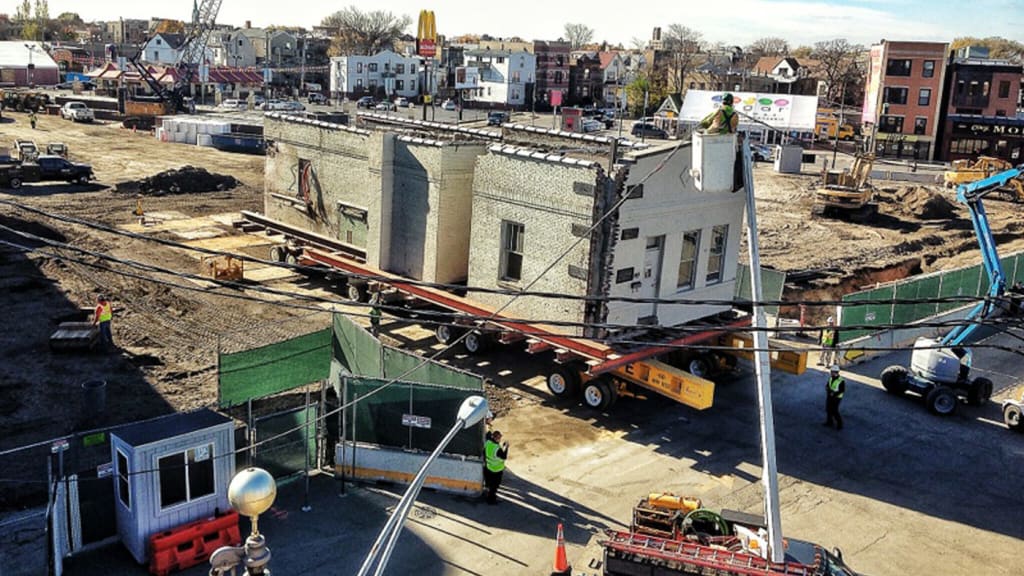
x=168 y=336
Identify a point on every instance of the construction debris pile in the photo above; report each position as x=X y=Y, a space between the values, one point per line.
x=924 y=203
x=185 y=180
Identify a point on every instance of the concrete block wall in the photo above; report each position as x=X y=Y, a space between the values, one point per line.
x=455 y=211
x=543 y=194
x=670 y=206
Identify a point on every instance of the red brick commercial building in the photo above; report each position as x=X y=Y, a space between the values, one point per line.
x=552 y=71
x=902 y=100
x=980 y=103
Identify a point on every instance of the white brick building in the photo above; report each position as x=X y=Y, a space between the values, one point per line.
x=503 y=77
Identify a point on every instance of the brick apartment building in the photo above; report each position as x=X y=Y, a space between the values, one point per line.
x=980 y=104
x=552 y=70
x=902 y=101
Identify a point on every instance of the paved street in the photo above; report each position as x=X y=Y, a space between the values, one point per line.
x=899 y=490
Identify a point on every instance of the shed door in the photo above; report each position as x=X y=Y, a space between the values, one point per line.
x=650 y=281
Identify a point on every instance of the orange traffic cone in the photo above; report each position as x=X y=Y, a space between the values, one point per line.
x=561 y=563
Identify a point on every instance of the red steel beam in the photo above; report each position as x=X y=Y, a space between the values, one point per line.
x=587 y=349
x=650 y=352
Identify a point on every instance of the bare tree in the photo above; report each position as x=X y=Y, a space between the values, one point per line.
x=769 y=46
x=841 y=64
x=579 y=35
x=358 y=32
x=683 y=46
x=638 y=43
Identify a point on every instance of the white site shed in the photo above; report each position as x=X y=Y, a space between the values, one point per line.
x=168 y=472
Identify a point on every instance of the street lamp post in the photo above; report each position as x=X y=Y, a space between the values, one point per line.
x=30 y=76
x=472 y=410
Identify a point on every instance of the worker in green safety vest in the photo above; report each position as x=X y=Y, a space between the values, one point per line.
x=724 y=120
x=102 y=317
x=829 y=341
x=495 y=453
x=834 y=390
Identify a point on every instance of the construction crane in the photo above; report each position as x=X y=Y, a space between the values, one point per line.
x=193 y=51
x=939 y=368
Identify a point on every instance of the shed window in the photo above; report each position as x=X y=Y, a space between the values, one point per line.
x=511 y=250
x=688 y=260
x=186 y=476
x=716 y=258
x=123 y=487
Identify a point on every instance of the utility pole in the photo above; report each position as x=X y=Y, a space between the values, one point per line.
x=839 y=127
x=302 y=71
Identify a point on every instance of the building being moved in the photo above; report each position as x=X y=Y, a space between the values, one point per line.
x=441 y=203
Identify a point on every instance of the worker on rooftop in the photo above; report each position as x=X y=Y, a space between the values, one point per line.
x=725 y=120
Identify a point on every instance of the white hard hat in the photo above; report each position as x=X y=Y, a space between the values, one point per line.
x=831 y=319
x=834 y=368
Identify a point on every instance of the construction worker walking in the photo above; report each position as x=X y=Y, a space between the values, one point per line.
x=32 y=118
x=834 y=390
x=725 y=120
x=495 y=453
x=104 y=314
x=829 y=341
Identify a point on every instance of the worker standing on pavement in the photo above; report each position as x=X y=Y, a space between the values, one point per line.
x=829 y=341
x=104 y=314
x=495 y=453
x=375 y=312
x=725 y=120
x=834 y=390
x=32 y=118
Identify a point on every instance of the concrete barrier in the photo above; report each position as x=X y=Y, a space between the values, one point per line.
x=454 y=474
x=854 y=350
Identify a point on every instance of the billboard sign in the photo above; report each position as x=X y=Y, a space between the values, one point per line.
x=556 y=97
x=426 y=37
x=782 y=111
x=870 y=112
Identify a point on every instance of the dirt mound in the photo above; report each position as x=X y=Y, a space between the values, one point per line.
x=185 y=180
x=925 y=203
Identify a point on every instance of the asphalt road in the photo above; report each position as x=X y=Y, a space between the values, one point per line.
x=899 y=490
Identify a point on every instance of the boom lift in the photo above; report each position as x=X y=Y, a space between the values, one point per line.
x=939 y=368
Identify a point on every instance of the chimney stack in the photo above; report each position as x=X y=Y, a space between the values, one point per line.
x=248 y=24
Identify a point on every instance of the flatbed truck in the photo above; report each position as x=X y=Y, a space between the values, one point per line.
x=581 y=366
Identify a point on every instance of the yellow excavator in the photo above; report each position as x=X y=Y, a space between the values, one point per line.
x=847 y=193
x=967 y=171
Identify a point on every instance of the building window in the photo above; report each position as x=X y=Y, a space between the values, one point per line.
x=359 y=67
x=630 y=233
x=399 y=68
x=156 y=56
x=716 y=257
x=501 y=59
x=928 y=70
x=399 y=84
x=558 y=77
x=924 y=97
x=898 y=67
x=372 y=67
x=515 y=76
x=359 y=82
x=688 y=260
x=920 y=125
x=1004 y=88
x=373 y=84
x=892 y=95
x=624 y=275
x=186 y=476
x=511 y=251
x=412 y=85
x=123 y=486
x=890 y=124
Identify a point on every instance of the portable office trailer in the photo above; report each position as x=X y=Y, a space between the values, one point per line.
x=170 y=471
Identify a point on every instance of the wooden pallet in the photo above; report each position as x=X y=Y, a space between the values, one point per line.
x=72 y=336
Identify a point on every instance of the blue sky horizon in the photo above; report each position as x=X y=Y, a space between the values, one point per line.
x=801 y=22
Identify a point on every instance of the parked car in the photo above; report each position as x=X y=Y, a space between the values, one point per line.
x=291 y=105
x=45 y=169
x=366 y=102
x=317 y=98
x=233 y=104
x=402 y=102
x=645 y=130
x=85 y=84
x=497 y=118
x=77 y=112
x=592 y=125
x=762 y=152
x=386 y=106
x=448 y=105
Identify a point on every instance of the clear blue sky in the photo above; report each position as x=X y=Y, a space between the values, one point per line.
x=734 y=22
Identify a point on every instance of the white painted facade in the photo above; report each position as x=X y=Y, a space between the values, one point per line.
x=503 y=77
x=233 y=49
x=161 y=50
x=648 y=255
x=363 y=74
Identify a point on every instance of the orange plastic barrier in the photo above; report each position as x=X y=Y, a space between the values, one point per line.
x=192 y=543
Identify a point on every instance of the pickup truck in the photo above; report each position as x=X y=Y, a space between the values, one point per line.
x=77 y=112
x=45 y=169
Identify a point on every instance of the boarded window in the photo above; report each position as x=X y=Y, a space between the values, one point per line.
x=583 y=188
x=630 y=233
x=716 y=258
x=511 y=251
x=688 y=260
x=624 y=275
x=634 y=192
x=123 y=486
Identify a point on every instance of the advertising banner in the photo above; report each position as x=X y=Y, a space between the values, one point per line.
x=871 y=93
x=782 y=111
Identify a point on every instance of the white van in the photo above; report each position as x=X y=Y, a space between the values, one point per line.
x=233 y=104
